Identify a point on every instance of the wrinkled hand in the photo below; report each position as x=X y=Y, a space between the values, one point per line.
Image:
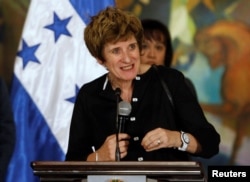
x=160 y=138
x=107 y=151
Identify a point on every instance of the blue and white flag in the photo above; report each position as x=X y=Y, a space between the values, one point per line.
x=52 y=63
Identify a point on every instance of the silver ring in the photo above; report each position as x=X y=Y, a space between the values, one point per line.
x=158 y=141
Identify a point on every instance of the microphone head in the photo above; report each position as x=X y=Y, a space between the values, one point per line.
x=124 y=108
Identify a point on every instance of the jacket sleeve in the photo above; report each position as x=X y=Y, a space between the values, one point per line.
x=190 y=117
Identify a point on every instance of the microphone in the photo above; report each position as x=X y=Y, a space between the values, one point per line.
x=124 y=109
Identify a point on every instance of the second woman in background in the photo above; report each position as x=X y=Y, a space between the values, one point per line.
x=157 y=47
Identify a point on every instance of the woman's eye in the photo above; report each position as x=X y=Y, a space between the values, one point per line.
x=132 y=46
x=115 y=51
x=159 y=47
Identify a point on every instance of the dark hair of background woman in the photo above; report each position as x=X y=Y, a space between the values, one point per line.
x=154 y=30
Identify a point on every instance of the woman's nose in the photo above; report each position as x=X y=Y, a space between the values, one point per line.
x=151 y=53
x=126 y=56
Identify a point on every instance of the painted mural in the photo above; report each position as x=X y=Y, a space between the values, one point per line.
x=211 y=40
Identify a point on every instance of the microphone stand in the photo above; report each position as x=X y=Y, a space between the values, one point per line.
x=117 y=151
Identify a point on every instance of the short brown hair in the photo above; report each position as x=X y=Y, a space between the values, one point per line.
x=111 y=25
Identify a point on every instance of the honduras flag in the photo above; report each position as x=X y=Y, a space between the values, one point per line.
x=52 y=63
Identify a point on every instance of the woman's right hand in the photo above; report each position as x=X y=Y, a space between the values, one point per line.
x=107 y=151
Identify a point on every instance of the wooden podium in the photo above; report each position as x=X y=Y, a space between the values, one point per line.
x=55 y=171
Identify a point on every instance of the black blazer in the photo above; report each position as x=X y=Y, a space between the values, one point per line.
x=95 y=108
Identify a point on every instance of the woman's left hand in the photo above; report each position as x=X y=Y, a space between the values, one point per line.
x=161 y=138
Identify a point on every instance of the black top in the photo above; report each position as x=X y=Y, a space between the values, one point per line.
x=94 y=117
